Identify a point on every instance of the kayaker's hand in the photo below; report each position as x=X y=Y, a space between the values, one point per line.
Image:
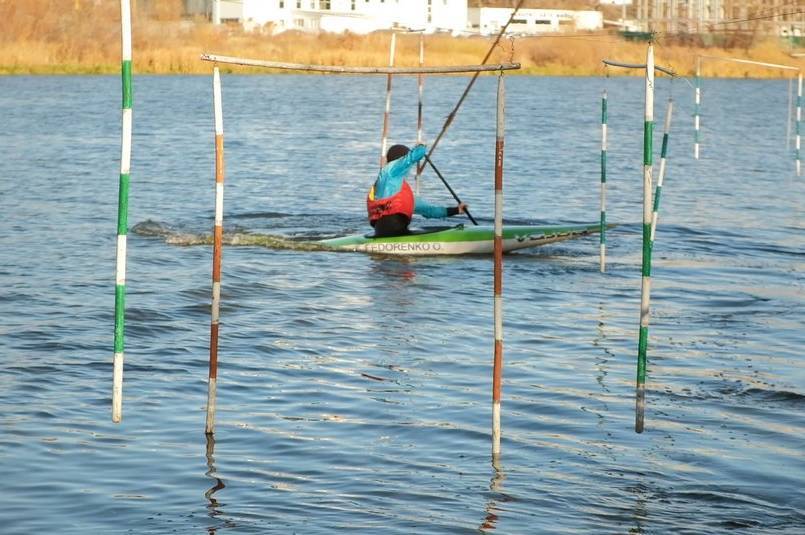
x=462 y=208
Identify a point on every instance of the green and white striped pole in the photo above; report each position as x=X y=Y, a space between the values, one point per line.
x=122 y=213
x=661 y=175
x=697 y=103
x=603 y=240
x=696 y=106
x=645 y=288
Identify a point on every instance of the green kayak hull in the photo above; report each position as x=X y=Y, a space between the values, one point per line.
x=459 y=239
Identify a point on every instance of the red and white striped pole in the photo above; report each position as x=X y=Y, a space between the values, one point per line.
x=386 y=114
x=218 y=235
x=421 y=86
x=497 y=371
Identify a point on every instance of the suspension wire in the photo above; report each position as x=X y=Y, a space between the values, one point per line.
x=671 y=89
x=511 y=51
x=675 y=75
x=764 y=17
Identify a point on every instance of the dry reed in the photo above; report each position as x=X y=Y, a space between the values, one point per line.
x=82 y=36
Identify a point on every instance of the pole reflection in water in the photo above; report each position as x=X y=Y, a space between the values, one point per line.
x=640 y=514
x=496 y=497
x=398 y=271
x=213 y=507
x=600 y=341
x=602 y=362
x=393 y=287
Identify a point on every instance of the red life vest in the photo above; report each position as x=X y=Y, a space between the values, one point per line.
x=401 y=202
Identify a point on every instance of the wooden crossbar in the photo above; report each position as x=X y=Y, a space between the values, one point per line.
x=447 y=69
x=669 y=72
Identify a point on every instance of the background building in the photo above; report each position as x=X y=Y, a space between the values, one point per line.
x=357 y=16
x=489 y=20
x=725 y=17
x=765 y=17
x=220 y=11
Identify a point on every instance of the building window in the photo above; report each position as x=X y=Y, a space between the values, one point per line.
x=298 y=4
x=325 y=4
x=352 y=6
x=282 y=4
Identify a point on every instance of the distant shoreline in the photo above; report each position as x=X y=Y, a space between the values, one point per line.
x=246 y=72
x=166 y=50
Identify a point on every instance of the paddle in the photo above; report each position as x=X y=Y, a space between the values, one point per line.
x=453 y=193
x=452 y=114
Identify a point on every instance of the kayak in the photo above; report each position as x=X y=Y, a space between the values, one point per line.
x=459 y=239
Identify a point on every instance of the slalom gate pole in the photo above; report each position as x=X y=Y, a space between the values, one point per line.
x=645 y=289
x=661 y=175
x=122 y=212
x=420 y=79
x=790 y=109
x=387 y=112
x=603 y=230
x=218 y=238
x=761 y=64
x=697 y=106
x=798 y=132
x=497 y=371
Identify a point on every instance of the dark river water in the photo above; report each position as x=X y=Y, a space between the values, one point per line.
x=354 y=391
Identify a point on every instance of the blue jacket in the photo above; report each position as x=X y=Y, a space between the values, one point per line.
x=391 y=176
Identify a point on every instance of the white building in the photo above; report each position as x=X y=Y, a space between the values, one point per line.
x=489 y=20
x=357 y=16
x=216 y=10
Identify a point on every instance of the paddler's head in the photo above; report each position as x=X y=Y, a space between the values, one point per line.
x=396 y=152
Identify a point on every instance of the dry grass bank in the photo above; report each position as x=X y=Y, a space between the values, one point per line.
x=83 y=36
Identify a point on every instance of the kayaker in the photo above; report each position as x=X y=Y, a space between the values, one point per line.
x=391 y=202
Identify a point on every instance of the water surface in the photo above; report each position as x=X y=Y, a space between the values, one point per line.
x=354 y=390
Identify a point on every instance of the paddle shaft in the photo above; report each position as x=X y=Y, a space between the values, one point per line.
x=452 y=114
x=453 y=193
